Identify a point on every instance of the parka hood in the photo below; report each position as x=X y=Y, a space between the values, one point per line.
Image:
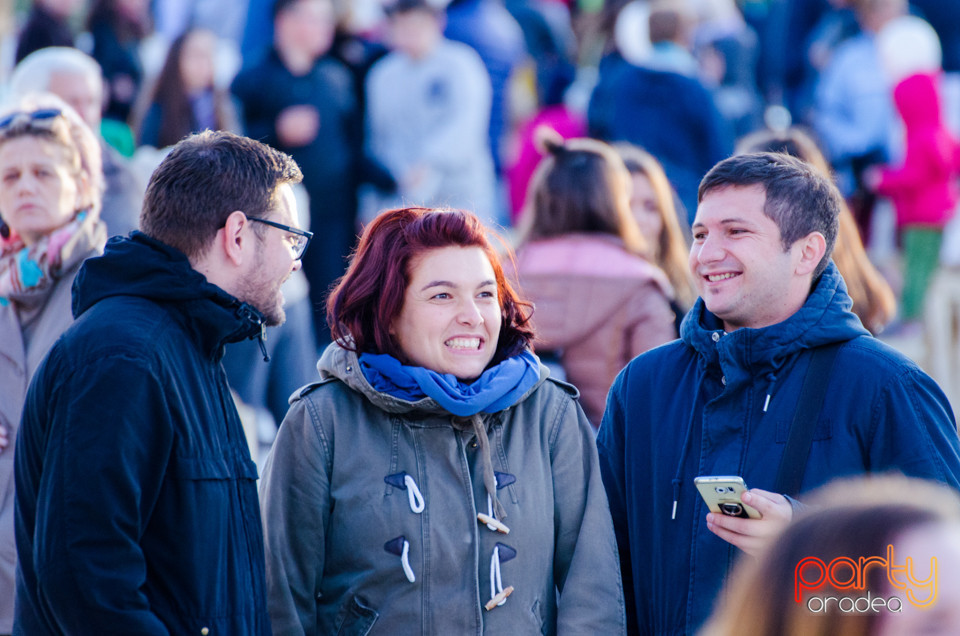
x=143 y=267
x=342 y=364
x=918 y=101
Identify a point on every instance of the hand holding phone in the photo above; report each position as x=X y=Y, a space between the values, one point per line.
x=722 y=495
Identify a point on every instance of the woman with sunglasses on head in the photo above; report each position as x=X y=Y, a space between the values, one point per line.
x=435 y=480
x=50 y=193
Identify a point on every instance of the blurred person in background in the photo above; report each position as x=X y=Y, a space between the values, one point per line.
x=923 y=188
x=889 y=522
x=435 y=479
x=662 y=106
x=489 y=28
x=853 y=113
x=428 y=116
x=118 y=27
x=184 y=98
x=873 y=299
x=50 y=189
x=727 y=48
x=655 y=207
x=300 y=99
x=552 y=80
x=48 y=24
x=583 y=262
x=75 y=77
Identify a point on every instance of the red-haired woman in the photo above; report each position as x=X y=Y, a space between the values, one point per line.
x=434 y=479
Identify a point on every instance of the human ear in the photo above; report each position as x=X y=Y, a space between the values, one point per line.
x=234 y=237
x=812 y=248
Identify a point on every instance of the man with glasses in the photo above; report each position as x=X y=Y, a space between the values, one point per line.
x=136 y=495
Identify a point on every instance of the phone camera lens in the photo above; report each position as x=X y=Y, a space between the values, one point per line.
x=720 y=489
x=732 y=509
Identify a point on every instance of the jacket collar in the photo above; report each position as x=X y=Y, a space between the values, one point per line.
x=824 y=318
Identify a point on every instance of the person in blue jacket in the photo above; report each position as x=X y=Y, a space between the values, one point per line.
x=136 y=501
x=721 y=400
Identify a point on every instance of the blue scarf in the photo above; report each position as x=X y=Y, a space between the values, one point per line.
x=496 y=389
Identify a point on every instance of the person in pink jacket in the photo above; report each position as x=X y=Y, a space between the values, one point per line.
x=923 y=188
x=583 y=262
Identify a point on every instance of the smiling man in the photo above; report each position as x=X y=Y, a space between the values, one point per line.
x=771 y=335
x=136 y=501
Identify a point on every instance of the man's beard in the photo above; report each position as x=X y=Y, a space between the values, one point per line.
x=265 y=296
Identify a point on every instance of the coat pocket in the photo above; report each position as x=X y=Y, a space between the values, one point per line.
x=357 y=619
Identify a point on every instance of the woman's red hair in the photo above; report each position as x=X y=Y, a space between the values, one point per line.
x=370 y=295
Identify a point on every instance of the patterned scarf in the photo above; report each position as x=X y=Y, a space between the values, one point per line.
x=28 y=272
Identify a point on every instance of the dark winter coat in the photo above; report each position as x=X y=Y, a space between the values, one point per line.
x=696 y=407
x=137 y=505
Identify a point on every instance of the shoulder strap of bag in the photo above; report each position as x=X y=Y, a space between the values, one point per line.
x=815 y=383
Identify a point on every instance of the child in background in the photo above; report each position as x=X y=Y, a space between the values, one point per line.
x=923 y=188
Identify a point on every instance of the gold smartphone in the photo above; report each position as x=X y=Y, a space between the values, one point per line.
x=722 y=495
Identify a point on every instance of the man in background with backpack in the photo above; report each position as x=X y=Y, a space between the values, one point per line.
x=773 y=380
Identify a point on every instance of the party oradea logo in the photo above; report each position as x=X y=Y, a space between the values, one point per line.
x=841 y=584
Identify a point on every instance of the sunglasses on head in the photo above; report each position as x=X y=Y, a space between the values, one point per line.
x=41 y=117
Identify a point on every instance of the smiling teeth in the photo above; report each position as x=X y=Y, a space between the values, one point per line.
x=716 y=277
x=463 y=343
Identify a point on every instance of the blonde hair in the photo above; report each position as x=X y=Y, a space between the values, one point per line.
x=67 y=130
x=854 y=517
x=669 y=251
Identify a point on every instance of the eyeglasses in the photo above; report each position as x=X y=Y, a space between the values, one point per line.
x=298 y=242
x=41 y=118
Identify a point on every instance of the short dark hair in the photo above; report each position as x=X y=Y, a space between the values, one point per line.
x=370 y=295
x=279 y=6
x=396 y=7
x=206 y=177
x=799 y=199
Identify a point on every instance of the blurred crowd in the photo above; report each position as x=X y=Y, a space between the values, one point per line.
x=580 y=130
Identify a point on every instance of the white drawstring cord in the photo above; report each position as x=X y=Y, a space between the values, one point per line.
x=496 y=583
x=498 y=593
x=490 y=512
x=413 y=496
x=490 y=519
x=405 y=562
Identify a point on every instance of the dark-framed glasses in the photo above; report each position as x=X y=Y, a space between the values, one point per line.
x=299 y=239
x=40 y=118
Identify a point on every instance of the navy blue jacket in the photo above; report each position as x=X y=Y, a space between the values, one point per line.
x=136 y=500
x=695 y=407
x=671 y=115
